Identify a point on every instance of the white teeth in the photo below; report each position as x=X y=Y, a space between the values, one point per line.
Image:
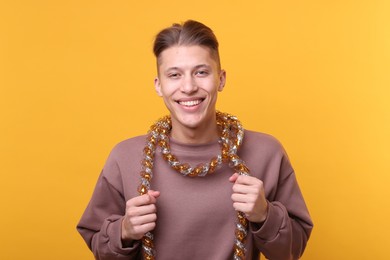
x=190 y=103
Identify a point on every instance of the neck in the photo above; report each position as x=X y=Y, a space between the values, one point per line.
x=198 y=135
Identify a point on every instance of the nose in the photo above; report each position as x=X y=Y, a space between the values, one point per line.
x=188 y=85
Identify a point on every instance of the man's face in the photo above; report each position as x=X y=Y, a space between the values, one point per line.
x=188 y=81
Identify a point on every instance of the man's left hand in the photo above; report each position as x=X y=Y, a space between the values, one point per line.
x=249 y=197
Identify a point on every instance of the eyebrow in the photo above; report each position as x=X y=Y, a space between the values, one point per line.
x=202 y=65
x=196 y=67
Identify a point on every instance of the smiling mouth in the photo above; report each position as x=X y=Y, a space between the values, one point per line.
x=190 y=103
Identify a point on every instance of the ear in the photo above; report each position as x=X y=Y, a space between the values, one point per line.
x=222 y=80
x=157 y=86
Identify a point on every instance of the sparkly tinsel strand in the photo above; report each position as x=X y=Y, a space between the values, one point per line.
x=231 y=136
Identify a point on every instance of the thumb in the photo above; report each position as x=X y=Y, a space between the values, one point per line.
x=233 y=178
x=154 y=193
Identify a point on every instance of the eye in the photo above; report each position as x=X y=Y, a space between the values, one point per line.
x=202 y=73
x=174 y=75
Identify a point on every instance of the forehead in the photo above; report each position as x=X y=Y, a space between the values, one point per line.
x=185 y=56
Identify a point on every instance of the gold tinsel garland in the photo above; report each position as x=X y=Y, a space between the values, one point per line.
x=231 y=135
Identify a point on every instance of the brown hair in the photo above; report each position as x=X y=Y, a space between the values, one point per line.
x=187 y=34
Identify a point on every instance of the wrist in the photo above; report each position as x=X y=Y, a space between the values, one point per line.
x=264 y=215
x=126 y=241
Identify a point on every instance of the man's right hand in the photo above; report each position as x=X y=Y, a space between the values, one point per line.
x=140 y=216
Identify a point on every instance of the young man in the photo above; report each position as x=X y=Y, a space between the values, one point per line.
x=197 y=186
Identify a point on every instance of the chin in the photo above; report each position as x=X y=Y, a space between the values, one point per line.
x=190 y=121
x=192 y=124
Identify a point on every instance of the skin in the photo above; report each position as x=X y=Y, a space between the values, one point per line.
x=190 y=74
x=189 y=80
x=249 y=197
x=140 y=216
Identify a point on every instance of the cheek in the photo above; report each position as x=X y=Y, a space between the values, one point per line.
x=168 y=90
x=213 y=87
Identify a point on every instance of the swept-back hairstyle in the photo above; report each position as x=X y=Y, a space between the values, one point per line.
x=188 y=33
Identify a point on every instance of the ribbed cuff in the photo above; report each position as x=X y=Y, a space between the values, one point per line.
x=114 y=233
x=269 y=229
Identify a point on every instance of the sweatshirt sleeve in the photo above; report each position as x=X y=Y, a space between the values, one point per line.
x=100 y=225
x=285 y=232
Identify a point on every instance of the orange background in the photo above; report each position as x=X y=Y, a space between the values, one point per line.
x=76 y=77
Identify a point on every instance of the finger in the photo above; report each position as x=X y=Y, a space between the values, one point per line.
x=248 y=180
x=141 y=210
x=243 y=207
x=141 y=200
x=243 y=198
x=154 y=193
x=142 y=229
x=247 y=208
x=142 y=220
x=244 y=189
x=233 y=178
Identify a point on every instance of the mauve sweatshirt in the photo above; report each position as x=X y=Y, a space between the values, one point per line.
x=195 y=216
